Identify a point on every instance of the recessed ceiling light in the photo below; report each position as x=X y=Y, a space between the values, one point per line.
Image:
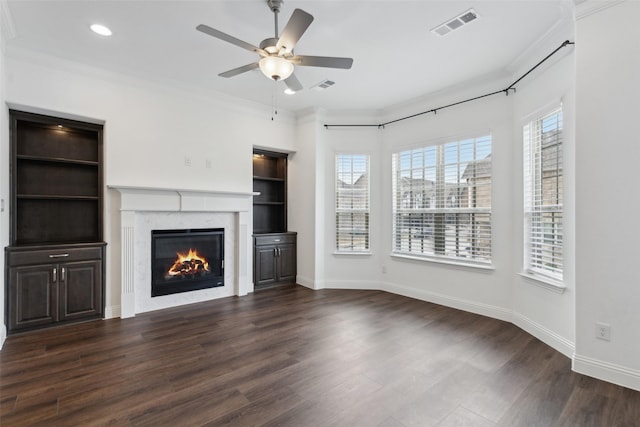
x=101 y=29
x=289 y=91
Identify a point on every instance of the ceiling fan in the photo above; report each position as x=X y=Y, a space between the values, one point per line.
x=277 y=58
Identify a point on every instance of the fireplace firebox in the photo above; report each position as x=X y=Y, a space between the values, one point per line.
x=186 y=260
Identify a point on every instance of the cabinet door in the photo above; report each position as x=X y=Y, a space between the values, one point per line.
x=80 y=285
x=265 y=265
x=286 y=263
x=33 y=299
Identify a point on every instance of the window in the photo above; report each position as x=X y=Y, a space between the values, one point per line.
x=543 y=188
x=442 y=201
x=352 y=203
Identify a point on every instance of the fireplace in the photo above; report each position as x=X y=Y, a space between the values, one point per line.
x=186 y=260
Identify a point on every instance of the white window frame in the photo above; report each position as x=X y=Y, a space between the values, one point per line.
x=357 y=231
x=543 y=253
x=471 y=244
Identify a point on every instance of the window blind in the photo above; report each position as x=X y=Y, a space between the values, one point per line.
x=442 y=200
x=352 y=203
x=543 y=190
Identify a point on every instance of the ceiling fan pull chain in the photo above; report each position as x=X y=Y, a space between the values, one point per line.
x=274 y=99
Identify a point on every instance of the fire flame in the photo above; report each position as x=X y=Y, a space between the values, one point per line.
x=189 y=264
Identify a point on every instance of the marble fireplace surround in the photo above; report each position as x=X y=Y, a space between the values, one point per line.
x=143 y=209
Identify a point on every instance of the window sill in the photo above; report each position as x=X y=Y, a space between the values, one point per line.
x=487 y=267
x=545 y=282
x=354 y=253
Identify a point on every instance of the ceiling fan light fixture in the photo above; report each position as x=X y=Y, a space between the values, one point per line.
x=275 y=67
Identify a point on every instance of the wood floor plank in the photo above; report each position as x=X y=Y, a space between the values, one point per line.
x=291 y=356
x=464 y=418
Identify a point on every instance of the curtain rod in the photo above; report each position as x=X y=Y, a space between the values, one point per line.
x=511 y=87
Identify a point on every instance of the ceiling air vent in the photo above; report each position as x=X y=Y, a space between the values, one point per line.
x=325 y=84
x=455 y=23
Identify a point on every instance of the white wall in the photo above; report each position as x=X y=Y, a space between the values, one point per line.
x=483 y=291
x=149 y=130
x=345 y=270
x=305 y=181
x=607 y=158
x=545 y=312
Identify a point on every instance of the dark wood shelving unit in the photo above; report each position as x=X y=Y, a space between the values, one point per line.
x=270 y=180
x=55 y=261
x=274 y=247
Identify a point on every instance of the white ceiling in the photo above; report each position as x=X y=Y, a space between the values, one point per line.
x=396 y=57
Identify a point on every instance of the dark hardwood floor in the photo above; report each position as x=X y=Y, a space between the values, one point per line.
x=295 y=357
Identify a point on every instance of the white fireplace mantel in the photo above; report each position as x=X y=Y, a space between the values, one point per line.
x=139 y=200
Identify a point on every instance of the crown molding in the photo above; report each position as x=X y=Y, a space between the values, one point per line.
x=563 y=29
x=6 y=22
x=219 y=99
x=586 y=8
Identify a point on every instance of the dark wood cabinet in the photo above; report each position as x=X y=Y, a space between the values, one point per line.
x=80 y=290
x=55 y=261
x=60 y=283
x=32 y=298
x=274 y=259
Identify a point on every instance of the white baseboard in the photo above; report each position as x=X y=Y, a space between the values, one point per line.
x=606 y=371
x=306 y=282
x=461 y=304
x=545 y=335
x=3 y=335
x=112 y=312
x=366 y=285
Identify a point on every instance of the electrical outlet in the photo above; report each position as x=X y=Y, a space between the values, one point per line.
x=384 y=269
x=603 y=331
x=187 y=161
x=207 y=163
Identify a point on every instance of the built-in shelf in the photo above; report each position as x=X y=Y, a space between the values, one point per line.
x=55 y=259
x=268 y=178
x=55 y=197
x=270 y=186
x=269 y=203
x=57 y=160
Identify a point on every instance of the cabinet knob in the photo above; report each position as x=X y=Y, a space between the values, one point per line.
x=63 y=274
x=55 y=274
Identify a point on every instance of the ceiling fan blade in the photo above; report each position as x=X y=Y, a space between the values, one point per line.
x=293 y=83
x=230 y=39
x=322 y=61
x=297 y=25
x=239 y=70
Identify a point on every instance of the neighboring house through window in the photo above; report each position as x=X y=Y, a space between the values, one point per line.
x=442 y=201
x=352 y=203
x=543 y=196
